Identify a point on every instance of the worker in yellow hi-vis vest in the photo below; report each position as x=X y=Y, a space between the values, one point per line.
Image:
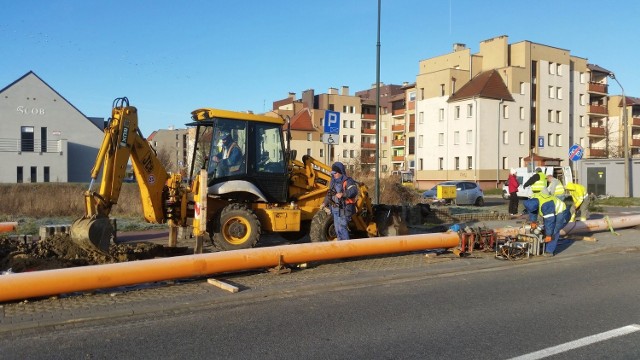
x=581 y=201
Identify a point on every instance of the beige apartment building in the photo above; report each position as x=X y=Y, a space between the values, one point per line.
x=172 y=147
x=479 y=114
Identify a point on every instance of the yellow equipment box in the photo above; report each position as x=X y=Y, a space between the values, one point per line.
x=446 y=192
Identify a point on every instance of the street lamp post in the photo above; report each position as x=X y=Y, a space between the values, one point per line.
x=625 y=140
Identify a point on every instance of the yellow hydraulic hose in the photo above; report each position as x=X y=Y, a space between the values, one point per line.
x=52 y=282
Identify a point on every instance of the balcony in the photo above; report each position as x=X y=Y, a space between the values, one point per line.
x=596 y=131
x=368 y=131
x=367 y=159
x=596 y=153
x=635 y=121
x=635 y=142
x=399 y=142
x=599 y=88
x=368 y=145
x=30 y=146
x=598 y=109
x=397 y=158
x=399 y=127
x=369 y=116
x=398 y=112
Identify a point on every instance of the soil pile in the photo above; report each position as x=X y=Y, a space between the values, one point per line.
x=60 y=252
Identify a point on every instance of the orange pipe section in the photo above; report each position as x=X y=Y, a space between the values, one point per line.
x=8 y=226
x=51 y=282
x=580 y=226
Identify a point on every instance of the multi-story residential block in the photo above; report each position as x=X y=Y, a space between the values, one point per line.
x=616 y=130
x=45 y=138
x=172 y=148
x=506 y=106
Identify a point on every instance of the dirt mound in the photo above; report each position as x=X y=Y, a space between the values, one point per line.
x=60 y=252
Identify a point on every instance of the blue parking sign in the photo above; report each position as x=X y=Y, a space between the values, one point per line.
x=540 y=141
x=331 y=122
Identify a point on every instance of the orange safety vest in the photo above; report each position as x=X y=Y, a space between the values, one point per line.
x=344 y=190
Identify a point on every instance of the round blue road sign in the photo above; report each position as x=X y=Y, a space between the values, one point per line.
x=575 y=152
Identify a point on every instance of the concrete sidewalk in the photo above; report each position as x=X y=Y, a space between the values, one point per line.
x=172 y=297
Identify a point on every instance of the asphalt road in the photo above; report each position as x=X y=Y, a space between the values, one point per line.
x=577 y=307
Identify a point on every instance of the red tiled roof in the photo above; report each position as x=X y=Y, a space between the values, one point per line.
x=302 y=121
x=487 y=85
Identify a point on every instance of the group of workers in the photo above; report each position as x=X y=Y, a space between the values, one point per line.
x=548 y=203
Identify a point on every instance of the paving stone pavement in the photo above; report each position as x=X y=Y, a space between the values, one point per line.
x=79 y=309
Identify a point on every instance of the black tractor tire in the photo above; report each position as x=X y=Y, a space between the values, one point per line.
x=322 y=228
x=237 y=228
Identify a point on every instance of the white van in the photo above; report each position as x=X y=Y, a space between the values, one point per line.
x=562 y=173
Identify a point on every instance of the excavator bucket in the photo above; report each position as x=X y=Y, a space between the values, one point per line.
x=93 y=234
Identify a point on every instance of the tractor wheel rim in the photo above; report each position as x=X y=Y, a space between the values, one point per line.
x=235 y=230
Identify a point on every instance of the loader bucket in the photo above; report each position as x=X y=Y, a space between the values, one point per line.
x=93 y=234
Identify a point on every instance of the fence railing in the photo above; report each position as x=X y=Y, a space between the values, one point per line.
x=37 y=146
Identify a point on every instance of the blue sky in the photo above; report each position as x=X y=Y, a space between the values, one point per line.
x=172 y=57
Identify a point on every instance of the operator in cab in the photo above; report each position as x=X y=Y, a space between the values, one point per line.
x=229 y=159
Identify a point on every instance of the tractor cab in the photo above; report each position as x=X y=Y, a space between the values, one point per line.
x=243 y=154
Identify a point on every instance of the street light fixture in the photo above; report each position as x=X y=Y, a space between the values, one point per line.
x=625 y=140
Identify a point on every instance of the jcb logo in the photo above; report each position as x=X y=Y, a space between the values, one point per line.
x=147 y=163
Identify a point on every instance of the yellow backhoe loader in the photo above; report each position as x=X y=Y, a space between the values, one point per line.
x=264 y=190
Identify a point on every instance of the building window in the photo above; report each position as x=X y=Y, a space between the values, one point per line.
x=457 y=112
x=344 y=139
x=520 y=162
x=321 y=152
x=558 y=139
x=421 y=93
x=344 y=108
x=550 y=115
x=309 y=152
x=469 y=110
x=582 y=99
x=552 y=68
x=456 y=161
x=469 y=162
x=345 y=124
x=34 y=174
x=352 y=154
x=441 y=89
x=456 y=137
x=412 y=96
x=440 y=163
x=309 y=137
x=345 y=153
x=582 y=78
x=43 y=139
x=469 y=136
x=559 y=69
x=19 y=175
x=505 y=162
x=353 y=124
x=26 y=138
x=421 y=163
x=421 y=118
x=441 y=139
x=46 y=174
x=420 y=141
x=559 y=117
x=559 y=93
x=550 y=139
x=521 y=137
x=441 y=116
x=505 y=111
x=522 y=88
x=521 y=113
x=552 y=92
x=582 y=122
x=505 y=137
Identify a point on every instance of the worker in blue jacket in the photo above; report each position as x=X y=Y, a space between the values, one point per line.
x=341 y=200
x=555 y=216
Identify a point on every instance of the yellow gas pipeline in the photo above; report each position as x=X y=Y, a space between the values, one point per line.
x=8 y=226
x=52 y=282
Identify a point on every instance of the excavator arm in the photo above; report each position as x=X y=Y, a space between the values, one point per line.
x=161 y=193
